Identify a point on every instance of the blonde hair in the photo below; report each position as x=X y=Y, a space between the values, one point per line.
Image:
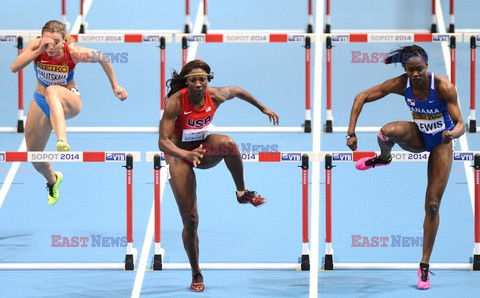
x=54 y=26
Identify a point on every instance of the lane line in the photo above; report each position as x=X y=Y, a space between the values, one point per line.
x=463 y=139
x=147 y=242
x=316 y=132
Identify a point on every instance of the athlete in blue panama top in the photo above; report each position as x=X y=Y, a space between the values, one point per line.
x=437 y=120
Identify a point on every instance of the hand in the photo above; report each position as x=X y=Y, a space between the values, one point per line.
x=352 y=143
x=195 y=155
x=120 y=93
x=271 y=116
x=44 y=43
x=447 y=136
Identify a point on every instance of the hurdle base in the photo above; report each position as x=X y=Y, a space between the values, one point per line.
x=204 y=29
x=305 y=263
x=308 y=126
x=451 y=28
x=328 y=262
x=310 y=28
x=328 y=29
x=433 y=29
x=476 y=262
x=472 y=126
x=329 y=126
x=20 y=126
x=82 y=29
x=129 y=262
x=157 y=262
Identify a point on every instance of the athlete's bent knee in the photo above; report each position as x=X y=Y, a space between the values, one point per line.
x=382 y=135
x=50 y=93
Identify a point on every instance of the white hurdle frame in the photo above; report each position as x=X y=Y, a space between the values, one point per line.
x=400 y=156
x=78 y=156
x=158 y=158
x=328 y=264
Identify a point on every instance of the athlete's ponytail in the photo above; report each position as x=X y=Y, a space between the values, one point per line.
x=402 y=55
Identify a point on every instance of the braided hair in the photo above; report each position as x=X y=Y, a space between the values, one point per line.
x=178 y=80
x=402 y=55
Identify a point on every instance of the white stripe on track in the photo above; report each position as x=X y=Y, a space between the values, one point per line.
x=147 y=242
x=316 y=131
x=463 y=139
x=11 y=175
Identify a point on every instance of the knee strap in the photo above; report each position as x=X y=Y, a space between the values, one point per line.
x=382 y=137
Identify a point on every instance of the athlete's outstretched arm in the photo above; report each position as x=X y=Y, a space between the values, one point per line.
x=374 y=93
x=222 y=94
x=82 y=54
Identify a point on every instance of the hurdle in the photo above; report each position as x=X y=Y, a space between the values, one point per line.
x=78 y=156
x=473 y=38
x=399 y=156
x=161 y=38
x=433 y=24
x=206 y=24
x=158 y=263
x=254 y=36
x=329 y=39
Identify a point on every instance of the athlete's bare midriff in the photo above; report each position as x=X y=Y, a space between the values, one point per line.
x=41 y=88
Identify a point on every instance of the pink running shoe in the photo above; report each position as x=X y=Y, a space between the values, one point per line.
x=423 y=278
x=371 y=162
x=251 y=197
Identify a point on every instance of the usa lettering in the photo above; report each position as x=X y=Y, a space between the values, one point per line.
x=200 y=122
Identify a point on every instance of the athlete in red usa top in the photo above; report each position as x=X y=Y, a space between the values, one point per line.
x=186 y=143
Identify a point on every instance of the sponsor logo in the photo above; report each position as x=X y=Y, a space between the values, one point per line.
x=340 y=37
x=463 y=156
x=441 y=37
x=8 y=38
x=342 y=156
x=151 y=38
x=291 y=156
x=198 y=38
x=186 y=112
x=296 y=38
x=115 y=156
x=2 y=156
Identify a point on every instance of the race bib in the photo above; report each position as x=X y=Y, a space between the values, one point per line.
x=52 y=74
x=192 y=135
x=430 y=124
